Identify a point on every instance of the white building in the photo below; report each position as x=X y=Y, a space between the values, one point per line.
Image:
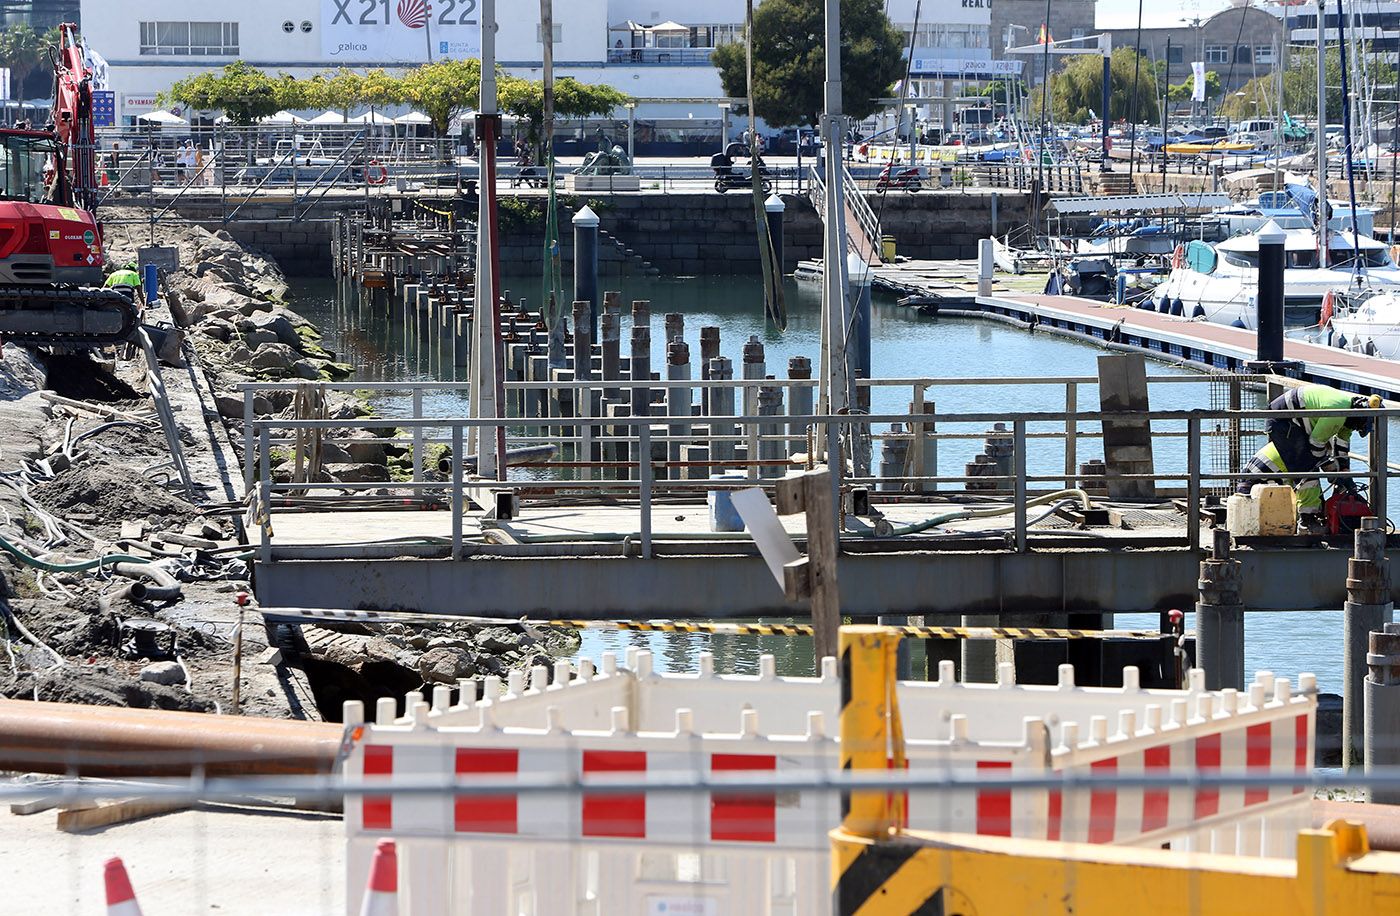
x=655 y=50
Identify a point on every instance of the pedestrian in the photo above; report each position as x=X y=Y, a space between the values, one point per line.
x=181 y=160
x=1302 y=444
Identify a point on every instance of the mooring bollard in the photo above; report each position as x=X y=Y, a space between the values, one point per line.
x=774 y=208
x=586 y=266
x=1367 y=609
x=1220 y=617
x=1382 y=687
x=1271 y=300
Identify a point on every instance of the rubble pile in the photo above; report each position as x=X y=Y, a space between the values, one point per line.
x=86 y=488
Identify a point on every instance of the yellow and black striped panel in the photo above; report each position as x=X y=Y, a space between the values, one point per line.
x=802 y=629
x=887 y=877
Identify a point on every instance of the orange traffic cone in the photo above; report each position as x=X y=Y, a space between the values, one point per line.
x=381 y=896
x=121 y=899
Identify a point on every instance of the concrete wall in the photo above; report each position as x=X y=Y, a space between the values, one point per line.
x=699 y=233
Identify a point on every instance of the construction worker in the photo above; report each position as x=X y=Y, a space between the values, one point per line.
x=1300 y=444
x=126 y=280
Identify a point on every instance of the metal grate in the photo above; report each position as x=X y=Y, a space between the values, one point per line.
x=1231 y=442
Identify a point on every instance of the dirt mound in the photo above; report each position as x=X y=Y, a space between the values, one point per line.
x=113 y=494
x=92 y=686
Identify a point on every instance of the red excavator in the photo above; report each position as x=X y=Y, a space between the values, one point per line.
x=50 y=241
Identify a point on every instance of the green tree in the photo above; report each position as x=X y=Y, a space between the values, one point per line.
x=22 y=50
x=1181 y=92
x=1078 y=89
x=789 y=60
x=241 y=91
x=1300 y=87
x=379 y=89
x=443 y=89
x=998 y=91
x=572 y=99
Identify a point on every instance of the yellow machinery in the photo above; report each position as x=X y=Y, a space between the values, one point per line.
x=877 y=868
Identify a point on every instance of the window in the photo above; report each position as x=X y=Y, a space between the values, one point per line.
x=1077 y=33
x=184 y=39
x=1176 y=54
x=1242 y=54
x=22 y=163
x=1217 y=54
x=558 y=33
x=1263 y=54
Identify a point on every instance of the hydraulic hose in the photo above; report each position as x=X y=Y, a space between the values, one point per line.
x=80 y=566
x=615 y=536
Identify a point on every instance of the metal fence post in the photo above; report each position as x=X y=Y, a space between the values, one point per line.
x=457 y=464
x=1193 y=483
x=1018 y=474
x=1071 y=435
x=247 y=441
x=417 y=435
x=584 y=410
x=265 y=494
x=1380 y=466
x=644 y=482
x=836 y=466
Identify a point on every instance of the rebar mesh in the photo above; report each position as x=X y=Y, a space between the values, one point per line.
x=1232 y=441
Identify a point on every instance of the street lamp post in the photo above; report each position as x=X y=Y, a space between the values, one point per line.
x=723 y=126
x=631 y=128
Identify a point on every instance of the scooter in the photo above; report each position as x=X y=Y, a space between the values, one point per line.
x=740 y=181
x=910 y=179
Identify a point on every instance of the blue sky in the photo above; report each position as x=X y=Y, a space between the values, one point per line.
x=1122 y=14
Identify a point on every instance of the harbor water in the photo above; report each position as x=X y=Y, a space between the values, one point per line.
x=906 y=345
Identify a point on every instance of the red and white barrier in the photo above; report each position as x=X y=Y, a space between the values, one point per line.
x=631 y=725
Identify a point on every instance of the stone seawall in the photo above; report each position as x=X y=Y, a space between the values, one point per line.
x=679 y=233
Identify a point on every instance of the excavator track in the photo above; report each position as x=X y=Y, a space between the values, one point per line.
x=66 y=317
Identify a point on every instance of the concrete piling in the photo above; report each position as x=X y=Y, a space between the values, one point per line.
x=583 y=340
x=709 y=349
x=800 y=400
x=721 y=405
x=641 y=369
x=678 y=398
x=675 y=326
x=770 y=446
x=754 y=368
x=611 y=342
x=1220 y=617
x=894 y=458
x=1382 y=708
x=1367 y=609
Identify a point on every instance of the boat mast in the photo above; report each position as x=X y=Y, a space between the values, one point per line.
x=835 y=382
x=486 y=383
x=1321 y=134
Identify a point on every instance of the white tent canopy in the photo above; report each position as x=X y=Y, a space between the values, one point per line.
x=282 y=117
x=163 y=117
x=372 y=117
x=413 y=117
x=328 y=117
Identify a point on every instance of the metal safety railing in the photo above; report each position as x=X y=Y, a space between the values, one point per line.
x=643 y=459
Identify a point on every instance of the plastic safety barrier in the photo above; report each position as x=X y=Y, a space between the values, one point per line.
x=630 y=724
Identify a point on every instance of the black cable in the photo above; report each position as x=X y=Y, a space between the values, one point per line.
x=1235 y=56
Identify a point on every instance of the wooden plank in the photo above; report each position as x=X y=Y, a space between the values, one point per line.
x=76 y=820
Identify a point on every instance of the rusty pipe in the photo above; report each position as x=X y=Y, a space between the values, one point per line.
x=66 y=738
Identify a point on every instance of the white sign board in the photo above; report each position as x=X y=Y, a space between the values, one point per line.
x=5 y=83
x=682 y=906
x=399 y=31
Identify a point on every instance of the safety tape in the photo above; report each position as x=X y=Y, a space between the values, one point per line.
x=447 y=213
x=686 y=626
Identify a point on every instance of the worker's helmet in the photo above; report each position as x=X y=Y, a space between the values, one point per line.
x=1364 y=425
x=133 y=265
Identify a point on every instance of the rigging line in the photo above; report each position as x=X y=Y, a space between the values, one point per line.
x=1235 y=56
x=866 y=268
x=1132 y=129
x=1346 y=144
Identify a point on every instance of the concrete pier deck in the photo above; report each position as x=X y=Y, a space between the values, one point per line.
x=361 y=560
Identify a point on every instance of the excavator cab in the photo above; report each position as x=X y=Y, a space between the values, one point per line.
x=28 y=166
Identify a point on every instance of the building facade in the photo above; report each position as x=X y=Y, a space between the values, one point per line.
x=1239 y=44
x=655 y=50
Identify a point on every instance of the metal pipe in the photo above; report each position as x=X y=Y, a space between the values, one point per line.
x=74 y=740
